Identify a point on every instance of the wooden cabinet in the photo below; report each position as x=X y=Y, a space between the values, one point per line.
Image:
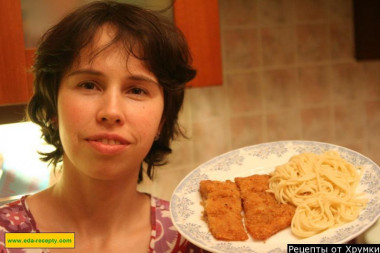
x=13 y=78
x=198 y=19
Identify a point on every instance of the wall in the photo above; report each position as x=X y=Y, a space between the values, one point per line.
x=289 y=73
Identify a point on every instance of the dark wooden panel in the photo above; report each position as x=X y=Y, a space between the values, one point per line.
x=12 y=113
x=367 y=29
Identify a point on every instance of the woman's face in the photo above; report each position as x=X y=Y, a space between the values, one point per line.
x=109 y=111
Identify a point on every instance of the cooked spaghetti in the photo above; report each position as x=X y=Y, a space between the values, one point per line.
x=322 y=187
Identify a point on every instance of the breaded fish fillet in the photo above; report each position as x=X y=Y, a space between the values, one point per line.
x=223 y=210
x=264 y=216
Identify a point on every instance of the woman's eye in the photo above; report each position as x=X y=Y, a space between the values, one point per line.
x=137 y=91
x=88 y=85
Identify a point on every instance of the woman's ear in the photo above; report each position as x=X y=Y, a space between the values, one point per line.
x=54 y=122
x=159 y=129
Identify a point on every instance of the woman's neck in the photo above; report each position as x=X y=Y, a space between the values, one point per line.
x=101 y=213
x=89 y=205
x=88 y=199
x=92 y=194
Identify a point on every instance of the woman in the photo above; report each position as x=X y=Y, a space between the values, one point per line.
x=109 y=82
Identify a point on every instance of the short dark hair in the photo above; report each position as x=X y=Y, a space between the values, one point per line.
x=161 y=46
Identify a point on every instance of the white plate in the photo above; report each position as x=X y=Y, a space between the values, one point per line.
x=186 y=211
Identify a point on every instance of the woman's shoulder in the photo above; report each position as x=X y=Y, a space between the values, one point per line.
x=15 y=217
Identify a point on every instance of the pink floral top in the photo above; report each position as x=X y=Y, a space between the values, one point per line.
x=16 y=217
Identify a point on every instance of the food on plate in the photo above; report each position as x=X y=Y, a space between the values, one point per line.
x=310 y=193
x=222 y=210
x=263 y=214
x=323 y=187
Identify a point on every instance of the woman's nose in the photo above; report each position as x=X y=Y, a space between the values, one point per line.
x=110 y=110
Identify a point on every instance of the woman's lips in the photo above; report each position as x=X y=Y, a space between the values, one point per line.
x=107 y=144
x=108 y=141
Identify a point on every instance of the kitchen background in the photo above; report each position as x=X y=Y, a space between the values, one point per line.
x=289 y=72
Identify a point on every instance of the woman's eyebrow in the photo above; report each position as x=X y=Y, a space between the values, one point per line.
x=134 y=77
x=142 y=78
x=85 y=71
